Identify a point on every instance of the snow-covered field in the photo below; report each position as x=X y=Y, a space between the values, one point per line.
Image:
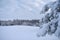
x=22 y=33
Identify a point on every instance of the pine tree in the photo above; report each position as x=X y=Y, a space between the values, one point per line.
x=50 y=19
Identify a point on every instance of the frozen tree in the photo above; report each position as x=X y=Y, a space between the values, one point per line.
x=50 y=19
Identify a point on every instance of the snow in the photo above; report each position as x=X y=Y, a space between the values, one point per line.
x=22 y=33
x=43 y=30
x=50 y=19
x=27 y=9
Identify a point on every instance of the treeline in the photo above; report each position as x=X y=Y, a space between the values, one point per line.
x=19 y=22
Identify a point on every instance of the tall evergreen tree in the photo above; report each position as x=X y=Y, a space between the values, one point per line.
x=50 y=19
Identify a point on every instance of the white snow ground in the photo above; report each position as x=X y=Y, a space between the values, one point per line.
x=22 y=33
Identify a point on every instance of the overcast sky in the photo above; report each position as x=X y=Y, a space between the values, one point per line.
x=21 y=9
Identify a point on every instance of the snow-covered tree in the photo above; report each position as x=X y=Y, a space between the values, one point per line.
x=50 y=19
